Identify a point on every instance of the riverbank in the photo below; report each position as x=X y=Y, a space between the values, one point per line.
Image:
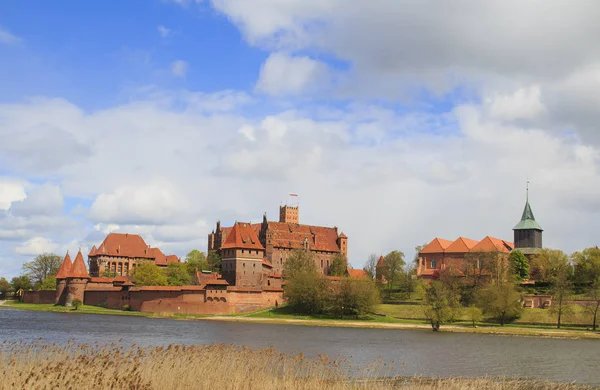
x=279 y=316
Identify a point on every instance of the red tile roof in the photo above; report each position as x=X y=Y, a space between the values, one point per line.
x=217 y=282
x=78 y=270
x=131 y=246
x=266 y=263
x=101 y=280
x=93 y=251
x=65 y=268
x=342 y=235
x=275 y=275
x=437 y=245
x=242 y=236
x=380 y=262
x=461 y=245
x=491 y=244
x=358 y=274
x=293 y=236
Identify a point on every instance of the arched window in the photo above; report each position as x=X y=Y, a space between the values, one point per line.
x=433 y=264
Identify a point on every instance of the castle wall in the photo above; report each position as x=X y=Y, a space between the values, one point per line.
x=323 y=260
x=45 y=297
x=60 y=294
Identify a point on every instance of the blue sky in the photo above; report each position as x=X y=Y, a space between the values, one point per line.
x=398 y=123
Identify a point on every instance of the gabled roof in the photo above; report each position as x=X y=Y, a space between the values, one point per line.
x=527 y=221
x=65 y=268
x=293 y=236
x=342 y=235
x=437 y=245
x=461 y=245
x=380 y=262
x=79 y=270
x=360 y=274
x=492 y=244
x=242 y=236
x=123 y=245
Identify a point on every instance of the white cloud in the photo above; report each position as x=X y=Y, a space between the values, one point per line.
x=282 y=74
x=522 y=104
x=8 y=38
x=164 y=31
x=36 y=246
x=179 y=68
x=10 y=191
x=42 y=200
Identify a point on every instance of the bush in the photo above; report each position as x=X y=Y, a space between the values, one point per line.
x=126 y=308
x=77 y=303
x=354 y=297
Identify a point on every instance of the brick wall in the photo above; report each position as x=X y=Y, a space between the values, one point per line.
x=39 y=296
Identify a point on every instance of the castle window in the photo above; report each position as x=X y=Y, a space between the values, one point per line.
x=433 y=264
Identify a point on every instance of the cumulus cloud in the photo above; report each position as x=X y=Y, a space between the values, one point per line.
x=282 y=74
x=179 y=68
x=35 y=246
x=10 y=191
x=44 y=200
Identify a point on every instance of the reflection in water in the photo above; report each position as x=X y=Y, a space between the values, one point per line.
x=425 y=353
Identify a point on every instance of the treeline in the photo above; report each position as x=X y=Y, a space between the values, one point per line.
x=308 y=292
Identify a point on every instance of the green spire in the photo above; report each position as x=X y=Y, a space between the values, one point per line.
x=527 y=219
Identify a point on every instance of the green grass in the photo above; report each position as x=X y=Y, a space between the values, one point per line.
x=84 y=309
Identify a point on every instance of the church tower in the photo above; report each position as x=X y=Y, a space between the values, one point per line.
x=528 y=233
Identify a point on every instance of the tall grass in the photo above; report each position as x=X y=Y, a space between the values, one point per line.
x=82 y=366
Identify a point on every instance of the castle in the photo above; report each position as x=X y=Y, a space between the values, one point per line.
x=273 y=242
x=442 y=254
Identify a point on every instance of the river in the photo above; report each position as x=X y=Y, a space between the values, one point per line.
x=425 y=353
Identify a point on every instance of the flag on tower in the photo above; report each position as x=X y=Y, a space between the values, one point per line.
x=293 y=194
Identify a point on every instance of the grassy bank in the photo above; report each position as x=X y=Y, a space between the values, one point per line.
x=62 y=309
x=72 y=366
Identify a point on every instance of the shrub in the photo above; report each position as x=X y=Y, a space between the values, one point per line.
x=77 y=303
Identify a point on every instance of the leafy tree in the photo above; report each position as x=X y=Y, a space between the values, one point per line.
x=339 y=265
x=441 y=304
x=474 y=314
x=21 y=282
x=109 y=274
x=306 y=291
x=561 y=289
x=44 y=265
x=354 y=297
x=587 y=265
x=49 y=283
x=408 y=281
x=299 y=261
x=178 y=274
x=5 y=286
x=214 y=261
x=77 y=303
x=418 y=250
x=148 y=274
x=546 y=264
x=371 y=265
x=593 y=308
x=195 y=260
x=501 y=301
x=393 y=264
x=519 y=265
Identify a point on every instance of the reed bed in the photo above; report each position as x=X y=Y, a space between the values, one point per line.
x=40 y=365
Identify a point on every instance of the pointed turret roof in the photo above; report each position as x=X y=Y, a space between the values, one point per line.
x=527 y=221
x=78 y=270
x=65 y=268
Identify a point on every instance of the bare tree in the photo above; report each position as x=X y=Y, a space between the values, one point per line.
x=371 y=265
x=44 y=265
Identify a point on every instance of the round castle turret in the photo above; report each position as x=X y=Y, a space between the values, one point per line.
x=77 y=280
x=61 y=280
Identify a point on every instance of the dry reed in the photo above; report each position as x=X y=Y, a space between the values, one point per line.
x=83 y=366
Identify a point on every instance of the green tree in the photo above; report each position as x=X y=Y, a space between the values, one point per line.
x=306 y=291
x=5 y=287
x=418 y=250
x=474 y=314
x=77 y=303
x=546 y=264
x=44 y=265
x=501 y=301
x=561 y=290
x=587 y=265
x=393 y=264
x=371 y=265
x=519 y=265
x=178 y=274
x=49 y=283
x=441 y=304
x=339 y=265
x=108 y=273
x=214 y=261
x=148 y=274
x=408 y=281
x=21 y=282
x=354 y=297
x=593 y=294
x=299 y=261
x=195 y=260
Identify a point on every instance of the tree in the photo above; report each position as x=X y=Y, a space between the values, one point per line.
x=178 y=274
x=474 y=314
x=418 y=250
x=339 y=265
x=593 y=307
x=441 y=304
x=21 y=282
x=299 y=261
x=5 y=286
x=519 y=265
x=409 y=281
x=148 y=274
x=108 y=273
x=214 y=261
x=587 y=265
x=354 y=297
x=371 y=265
x=546 y=264
x=306 y=291
x=561 y=289
x=42 y=266
x=501 y=301
x=393 y=264
x=195 y=260
x=77 y=303
x=49 y=283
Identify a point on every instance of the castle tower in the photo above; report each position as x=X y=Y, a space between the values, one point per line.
x=342 y=241
x=288 y=214
x=77 y=280
x=61 y=280
x=242 y=255
x=528 y=233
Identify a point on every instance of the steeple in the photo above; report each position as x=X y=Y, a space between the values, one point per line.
x=527 y=221
x=528 y=233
